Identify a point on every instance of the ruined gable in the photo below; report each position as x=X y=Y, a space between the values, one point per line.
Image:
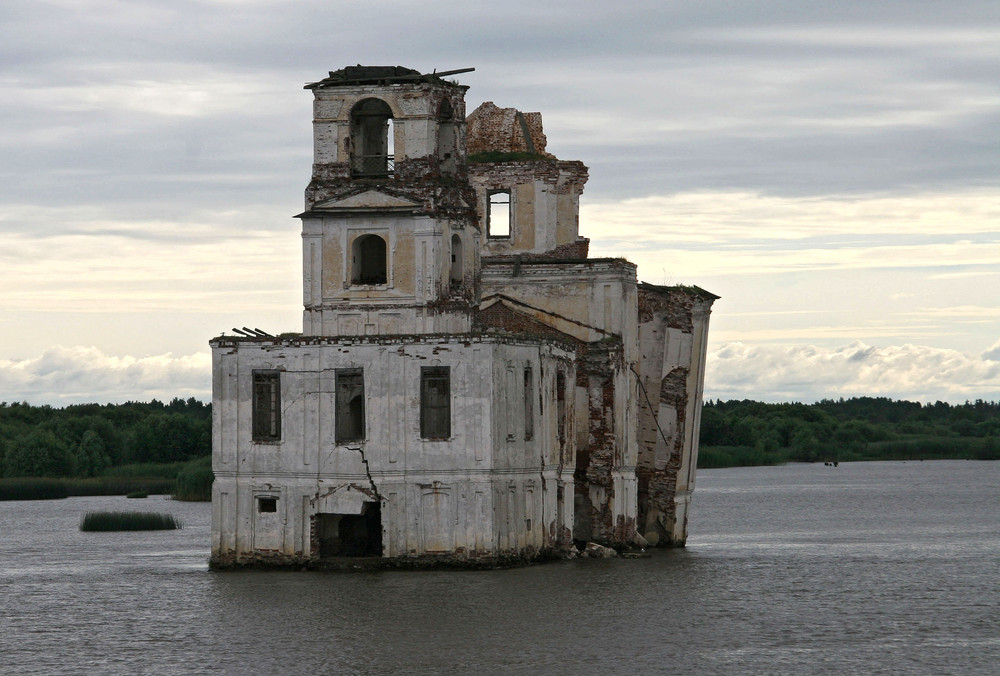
x=505 y=130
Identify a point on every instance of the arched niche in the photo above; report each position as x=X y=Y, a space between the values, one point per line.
x=369 y=260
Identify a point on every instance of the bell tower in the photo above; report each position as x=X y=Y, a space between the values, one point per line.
x=390 y=235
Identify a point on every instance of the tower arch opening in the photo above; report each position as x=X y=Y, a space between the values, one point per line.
x=372 y=139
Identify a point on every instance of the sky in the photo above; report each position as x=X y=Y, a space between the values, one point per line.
x=829 y=169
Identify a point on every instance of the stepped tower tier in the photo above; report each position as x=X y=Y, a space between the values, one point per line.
x=391 y=241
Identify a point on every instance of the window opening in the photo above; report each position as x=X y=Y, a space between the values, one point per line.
x=456 y=275
x=350 y=405
x=267 y=504
x=447 y=147
x=266 y=406
x=529 y=405
x=498 y=217
x=435 y=402
x=369 y=260
x=372 y=142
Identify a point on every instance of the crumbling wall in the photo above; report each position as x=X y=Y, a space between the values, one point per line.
x=545 y=201
x=506 y=130
x=673 y=324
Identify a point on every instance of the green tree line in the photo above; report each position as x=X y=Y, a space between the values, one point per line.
x=735 y=433
x=86 y=440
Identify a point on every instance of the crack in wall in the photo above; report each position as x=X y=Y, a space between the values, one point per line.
x=368 y=472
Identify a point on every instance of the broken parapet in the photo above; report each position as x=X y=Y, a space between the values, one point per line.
x=504 y=130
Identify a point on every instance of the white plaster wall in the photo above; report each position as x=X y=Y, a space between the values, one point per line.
x=454 y=492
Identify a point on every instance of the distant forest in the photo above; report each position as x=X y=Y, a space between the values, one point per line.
x=91 y=440
x=86 y=440
x=741 y=433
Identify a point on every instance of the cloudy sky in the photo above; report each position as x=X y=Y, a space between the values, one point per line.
x=829 y=168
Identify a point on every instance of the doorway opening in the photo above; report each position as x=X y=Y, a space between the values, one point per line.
x=350 y=534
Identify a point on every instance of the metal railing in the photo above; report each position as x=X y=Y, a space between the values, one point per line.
x=372 y=166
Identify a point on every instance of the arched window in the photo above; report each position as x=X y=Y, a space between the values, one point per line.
x=368 y=260
x=371 y=139
x=456 y=276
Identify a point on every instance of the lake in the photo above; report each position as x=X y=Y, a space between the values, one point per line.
x=876 y=567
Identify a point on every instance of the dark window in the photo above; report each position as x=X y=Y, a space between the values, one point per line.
x=266 y=406
x=369 y=258
x=266 y=504
x=498 y=216
x=447 y=148
x=350 y=422
x=456 y=273
x=529 y=406
x=435 y=402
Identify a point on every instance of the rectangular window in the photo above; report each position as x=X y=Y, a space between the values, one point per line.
x=266 y=405
x=435 y=402
x=350 y=405
x=499 y=215
x=267 y=504
x=529 y=405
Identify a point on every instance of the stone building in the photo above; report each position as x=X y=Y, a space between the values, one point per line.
x=469 y=386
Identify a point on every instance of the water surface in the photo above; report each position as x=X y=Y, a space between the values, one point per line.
x=803 y=569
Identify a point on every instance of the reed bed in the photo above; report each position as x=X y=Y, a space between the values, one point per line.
x=194 y=481
x=118 y=521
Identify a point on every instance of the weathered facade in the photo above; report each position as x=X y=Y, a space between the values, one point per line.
x=469 y=386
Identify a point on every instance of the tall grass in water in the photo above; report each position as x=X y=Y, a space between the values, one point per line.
x=145 y=470
x=114 y=521
x=32 y=489
x=194 y=481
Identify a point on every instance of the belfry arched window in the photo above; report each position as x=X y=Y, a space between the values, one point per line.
x=368 y=260
x=371 y=139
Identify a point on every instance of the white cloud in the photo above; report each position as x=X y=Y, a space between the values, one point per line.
x=70 y=375
x=728 y=217
x=808 y=373
x=96 y=263
x=992 y=354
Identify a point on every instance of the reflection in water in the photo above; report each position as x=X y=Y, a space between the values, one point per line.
x=800 y=569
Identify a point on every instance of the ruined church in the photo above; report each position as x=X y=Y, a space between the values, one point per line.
x=470 y=387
